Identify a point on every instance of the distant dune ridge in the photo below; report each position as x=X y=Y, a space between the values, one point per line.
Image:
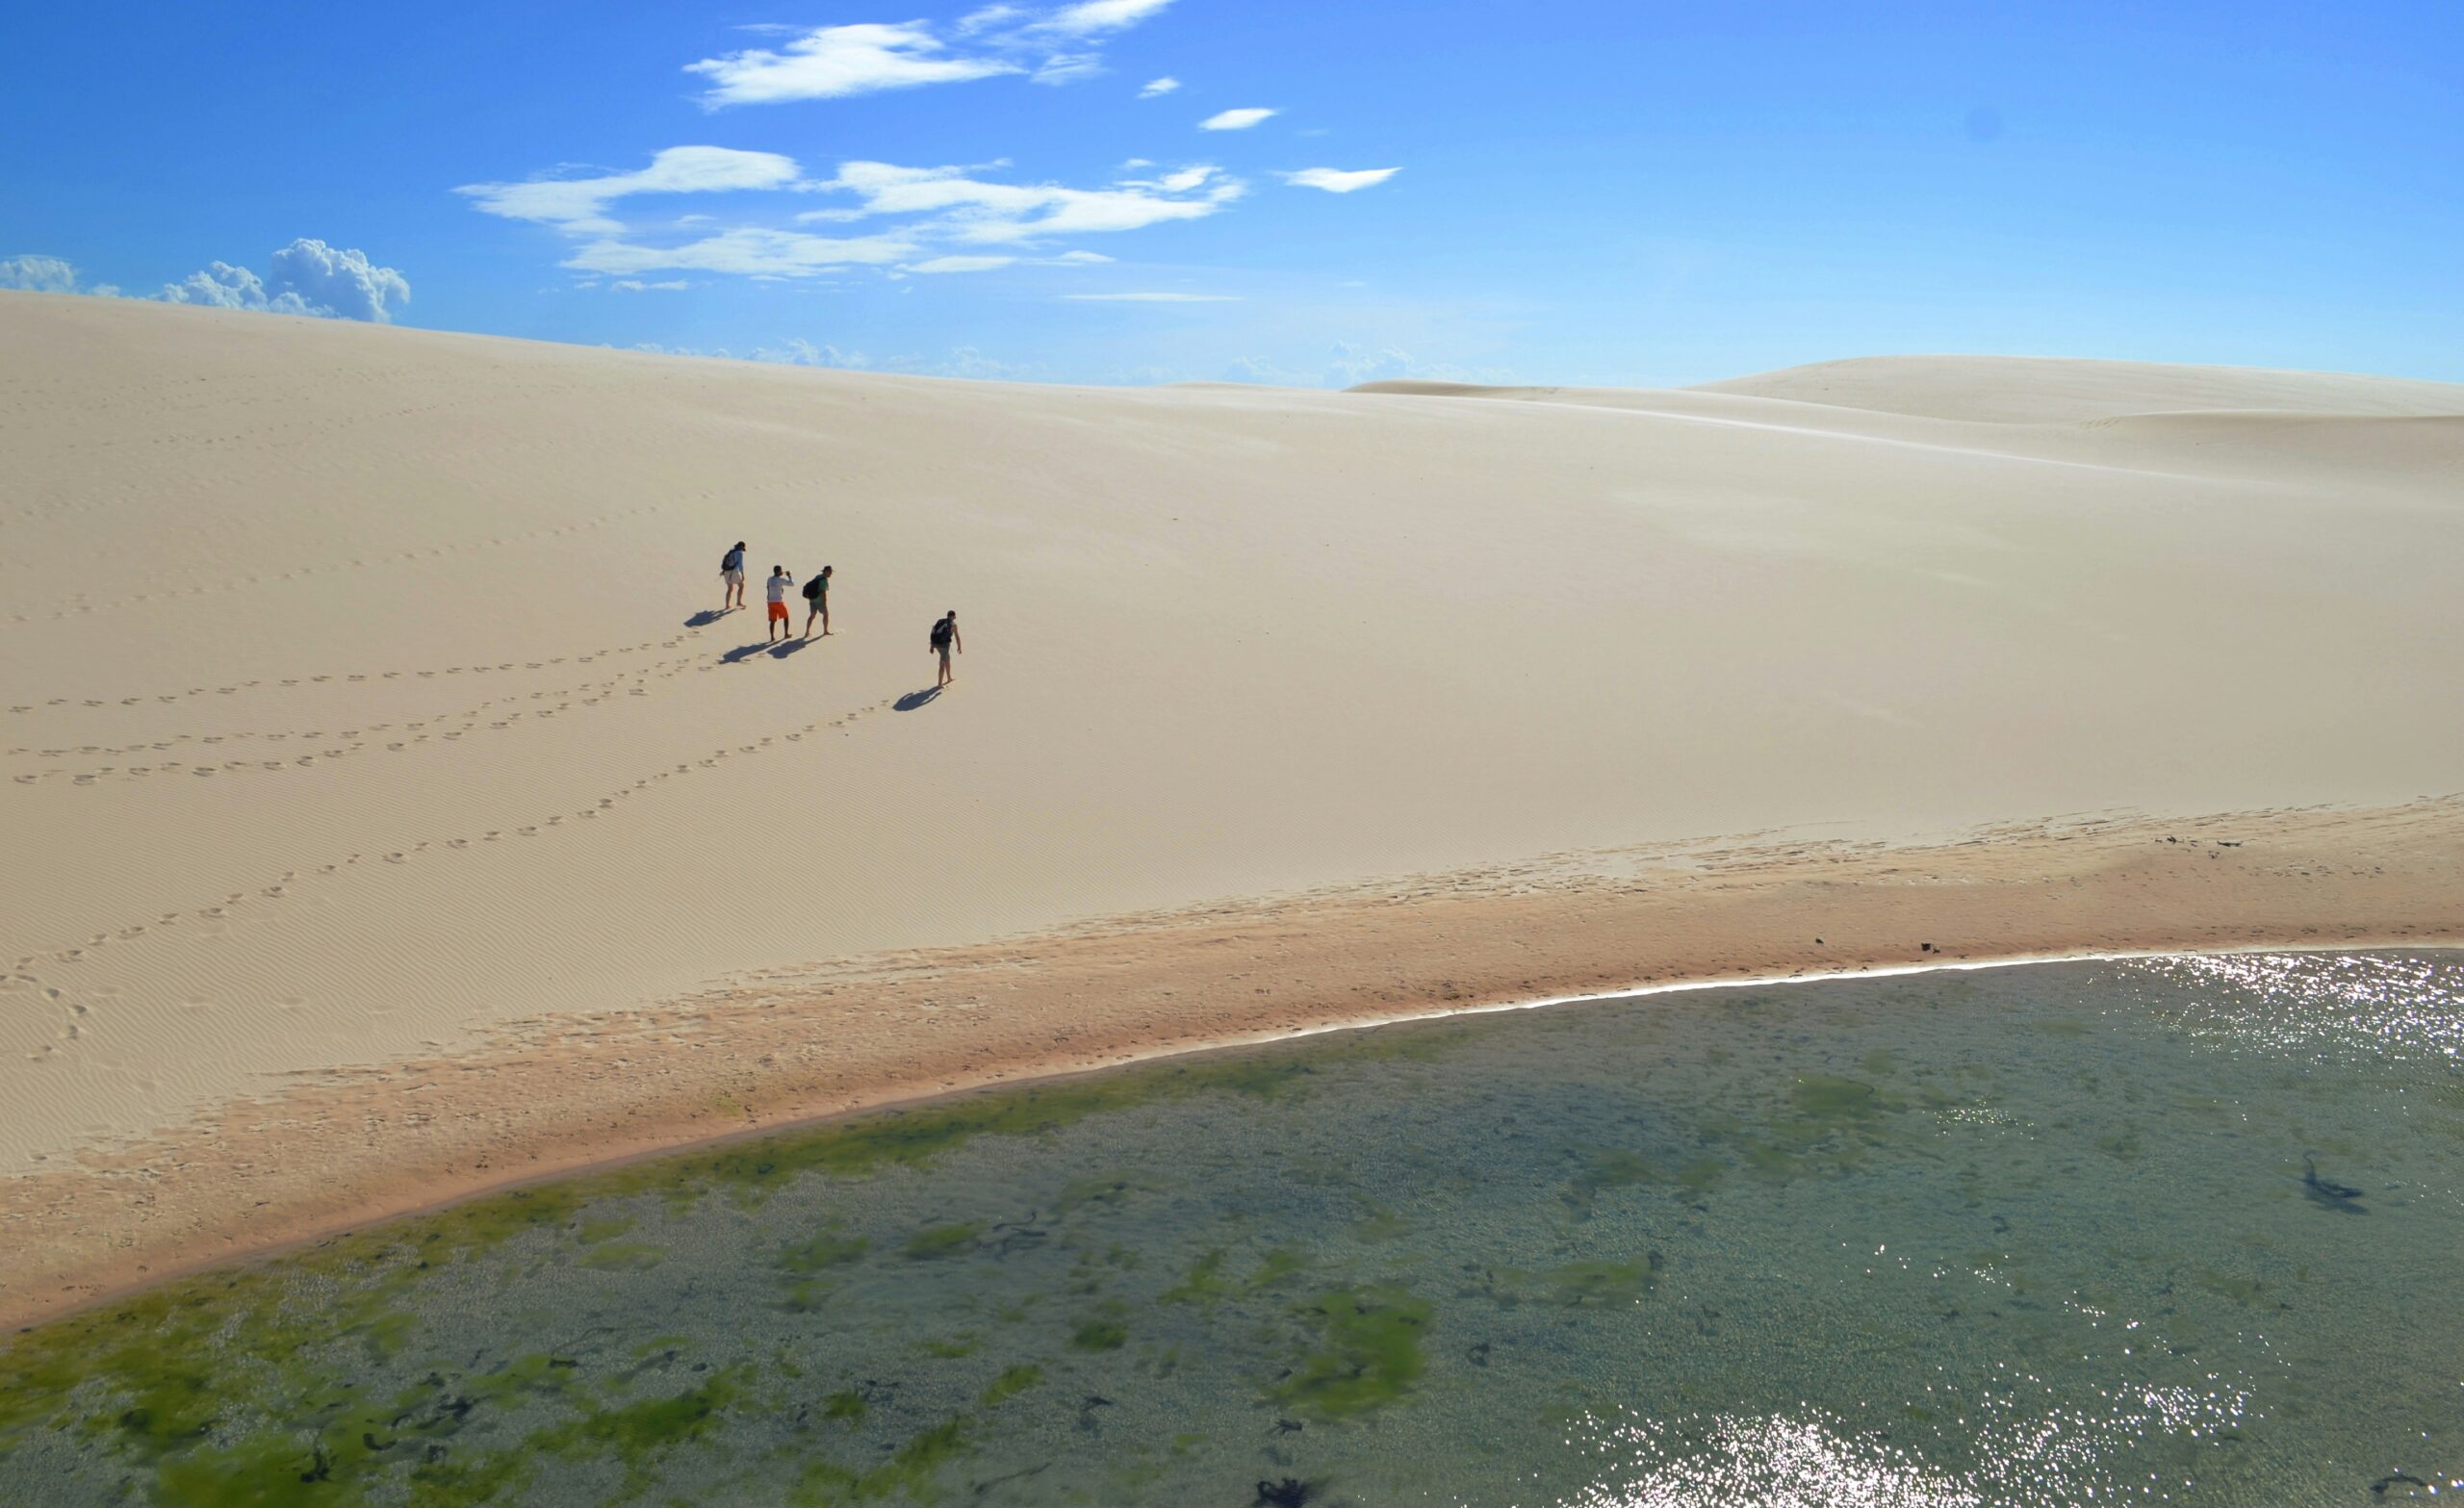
x=2024 y=389
x=357 y=709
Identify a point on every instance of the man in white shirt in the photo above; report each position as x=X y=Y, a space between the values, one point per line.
x=780 y=583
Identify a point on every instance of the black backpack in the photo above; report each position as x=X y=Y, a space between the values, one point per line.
x=812 y=590
x=941 y=633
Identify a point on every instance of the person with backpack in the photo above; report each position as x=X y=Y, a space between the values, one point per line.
x=732 y=573
x=779 y=582
x=817 y=595
x=945 y=641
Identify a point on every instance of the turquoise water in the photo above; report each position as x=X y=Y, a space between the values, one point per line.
x=2175 y=1230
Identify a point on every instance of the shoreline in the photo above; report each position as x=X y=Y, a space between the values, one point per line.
x=564 y=1096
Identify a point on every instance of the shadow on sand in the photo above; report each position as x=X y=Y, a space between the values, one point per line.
x=706 y=616
x=915 y=698
x=745 y=651
x=786 y=647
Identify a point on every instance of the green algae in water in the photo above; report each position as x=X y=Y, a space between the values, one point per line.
x=1367 y=1353
x=1585 y=1256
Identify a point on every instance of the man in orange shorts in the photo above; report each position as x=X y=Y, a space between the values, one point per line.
x=780 y=584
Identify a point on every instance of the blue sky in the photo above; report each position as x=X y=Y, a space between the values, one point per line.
x=1619 y=193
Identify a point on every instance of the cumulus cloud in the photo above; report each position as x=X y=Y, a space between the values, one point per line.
x=307 y=277
x=35 y=275
x=581 y=204
x=1050 y=46
x=1235 y=120
x=337 y=282
x=1156 y=87
x=1334 y=180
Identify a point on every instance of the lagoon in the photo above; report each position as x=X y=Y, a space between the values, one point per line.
x=2179 y=1229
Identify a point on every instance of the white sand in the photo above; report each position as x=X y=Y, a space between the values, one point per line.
x=418 y=603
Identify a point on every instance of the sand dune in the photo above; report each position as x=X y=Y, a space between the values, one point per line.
x=361 y=699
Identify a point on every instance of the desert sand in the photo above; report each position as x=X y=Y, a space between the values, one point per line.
x=388 y=819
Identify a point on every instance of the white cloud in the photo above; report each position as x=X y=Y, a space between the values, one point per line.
x=988 y=18
x=1155 y=87
x=1234 y=119
x=336 y=281
x=958 y=264
x=34 y=274
x=307 y=277
x=1078 y=259
x=1054 y=46
x=1334 y=180
x=832 y=62
x=748 y=251
x=1091 y=18
x=634 y=285
x=580 y=204
x=1151 y=298
x=1067 y=68
x=967 y=209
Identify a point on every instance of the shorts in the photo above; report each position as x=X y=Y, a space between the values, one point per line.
x=778 y=612
x=734 y=577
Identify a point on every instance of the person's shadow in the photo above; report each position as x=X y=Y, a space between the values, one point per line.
x=915 y=698
x=743 y=652
x=706 y=616
x=786 y=647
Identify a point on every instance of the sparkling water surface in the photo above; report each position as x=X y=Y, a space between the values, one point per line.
x=2175 y=1230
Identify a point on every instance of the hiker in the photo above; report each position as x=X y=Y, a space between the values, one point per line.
x=817 y=594
x=732 y=573
x=780 y=619
x=945 y=639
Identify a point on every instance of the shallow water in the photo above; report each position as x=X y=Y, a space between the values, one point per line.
x=2180 y=1229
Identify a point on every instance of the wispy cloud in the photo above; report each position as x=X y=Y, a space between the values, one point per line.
x=1050 y=46
x=1234 y=119
x=580 y=204
x=1334 y=180
x=1151 y=298
x=832 y=62
x=1094 y=18
x=747 y=251
x=1156 y=87
x=930 y=219
x=634 y=285
x=969 y=209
